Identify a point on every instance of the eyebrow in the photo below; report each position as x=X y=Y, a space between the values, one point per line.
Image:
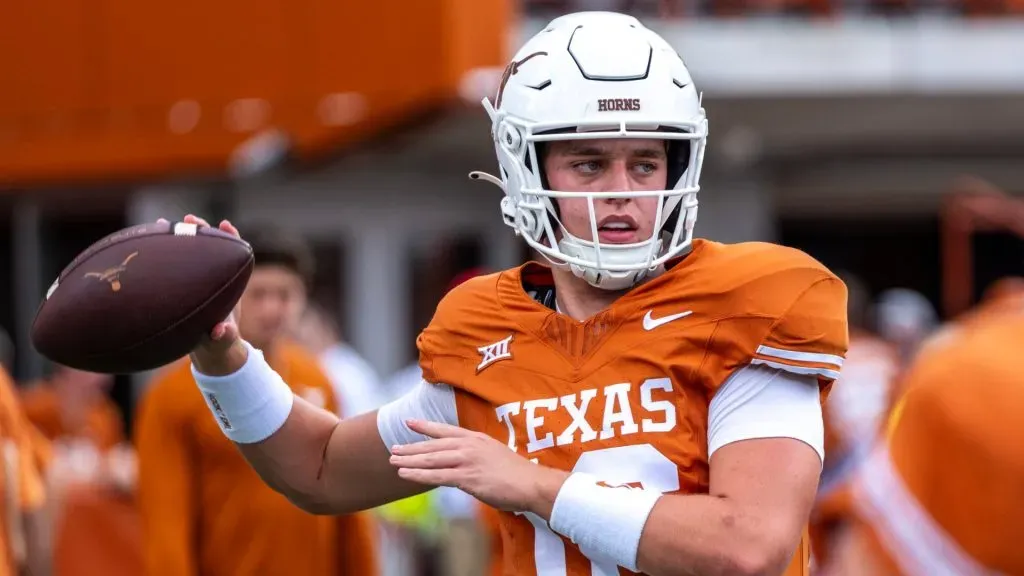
x=584 y=149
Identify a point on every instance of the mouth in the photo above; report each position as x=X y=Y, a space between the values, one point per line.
x=617 y=230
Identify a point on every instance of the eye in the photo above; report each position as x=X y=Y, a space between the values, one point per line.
x=587 y=166
x=647 y=168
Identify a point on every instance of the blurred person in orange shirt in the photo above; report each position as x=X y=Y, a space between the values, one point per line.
x=90 y=474
x=73 y=404
x=834 y=510
x=25 y=541
x=943 y=492
x=73 y=411
x=853 y=415
x=204 y=510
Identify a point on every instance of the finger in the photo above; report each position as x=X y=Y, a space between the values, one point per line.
x=224 y=332
x=219 y=331
x=430 y=461
x=438 y=429
x=426 y=446
x=443 y=477
x=162 y=221
x=228 y=227
x=193 y=219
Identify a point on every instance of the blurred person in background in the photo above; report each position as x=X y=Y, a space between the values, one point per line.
x=853 y=415
x=835 y=510
x=91 y=474
x=355 y=381
x=204 y=510
x=25 y=532
x=905 y=318
x=943 y=491
x=72 y=408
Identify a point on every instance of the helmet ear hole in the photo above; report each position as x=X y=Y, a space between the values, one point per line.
x=528 y=221
x=510 y=138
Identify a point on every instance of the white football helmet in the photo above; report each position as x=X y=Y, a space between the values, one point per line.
x=597 y=75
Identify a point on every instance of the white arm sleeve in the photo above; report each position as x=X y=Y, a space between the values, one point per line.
x=758 y=401
x=431 y=402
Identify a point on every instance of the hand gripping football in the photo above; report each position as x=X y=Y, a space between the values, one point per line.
x=142 y=297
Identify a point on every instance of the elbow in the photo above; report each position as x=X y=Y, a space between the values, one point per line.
x=311 y=501
x=313 y=505
x=317 y=502
x=754 y=562
x=306 y=498
x=759 y=556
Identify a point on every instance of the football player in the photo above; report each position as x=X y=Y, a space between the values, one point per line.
x=943 y=493
x=648 y=401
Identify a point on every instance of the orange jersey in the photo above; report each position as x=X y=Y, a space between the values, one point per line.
x=625 y=395
x=206 y=511
x=944 y=492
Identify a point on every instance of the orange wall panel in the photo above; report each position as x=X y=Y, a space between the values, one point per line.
x=110 y=89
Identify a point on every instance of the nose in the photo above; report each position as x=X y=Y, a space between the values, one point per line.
x=619 y=180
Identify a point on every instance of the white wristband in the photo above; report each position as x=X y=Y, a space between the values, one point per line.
x=604 y=522
x=250 y=404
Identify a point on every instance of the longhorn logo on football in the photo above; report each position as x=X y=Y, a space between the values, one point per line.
x=113 y=275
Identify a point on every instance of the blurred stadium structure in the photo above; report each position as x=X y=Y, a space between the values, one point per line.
x=885 y=137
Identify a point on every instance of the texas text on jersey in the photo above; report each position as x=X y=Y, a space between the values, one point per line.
x=625 y=396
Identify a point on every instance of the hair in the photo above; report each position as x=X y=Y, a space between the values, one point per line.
x=273 y=246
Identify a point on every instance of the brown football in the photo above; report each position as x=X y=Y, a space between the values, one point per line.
x=142 y=297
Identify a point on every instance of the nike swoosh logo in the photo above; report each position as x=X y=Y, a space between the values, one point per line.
x=650 y=323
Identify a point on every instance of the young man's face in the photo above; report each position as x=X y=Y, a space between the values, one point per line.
x=608 y=165
x=271 y=305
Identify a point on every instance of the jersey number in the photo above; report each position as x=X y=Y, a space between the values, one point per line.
x=640 y=464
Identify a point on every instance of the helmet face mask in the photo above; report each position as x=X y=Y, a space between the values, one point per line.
x=597 y=76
